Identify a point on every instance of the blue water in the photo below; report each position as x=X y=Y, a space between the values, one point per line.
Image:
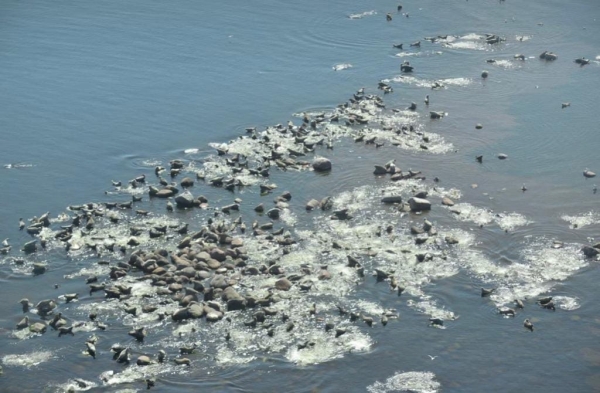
x=97 y=91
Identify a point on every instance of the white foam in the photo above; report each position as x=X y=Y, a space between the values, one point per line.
x=413 y=381
x=339 y=67
x=28 y=360
x=362 y=14
x=583 y=220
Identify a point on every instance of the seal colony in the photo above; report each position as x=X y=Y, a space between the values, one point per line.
x=242 y=276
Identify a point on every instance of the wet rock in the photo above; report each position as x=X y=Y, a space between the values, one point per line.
x=419 y=204
x=321 y=164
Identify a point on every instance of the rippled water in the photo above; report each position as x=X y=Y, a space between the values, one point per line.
x=101 y=92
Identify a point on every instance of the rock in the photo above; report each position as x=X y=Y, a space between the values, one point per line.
x=392 y=199
x=589 y=251
x=419 y=204
x=283 y=284
x=321 y=164
x=447 y=201
x=185 y=200
x=143 y=360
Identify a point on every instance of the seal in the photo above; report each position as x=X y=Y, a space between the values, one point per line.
x=487 y=292
x=406 y=67
x=528 y=325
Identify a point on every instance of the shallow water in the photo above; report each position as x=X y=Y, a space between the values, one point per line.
x=106 y=91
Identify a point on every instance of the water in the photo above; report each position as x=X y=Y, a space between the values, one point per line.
x=106 y=91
